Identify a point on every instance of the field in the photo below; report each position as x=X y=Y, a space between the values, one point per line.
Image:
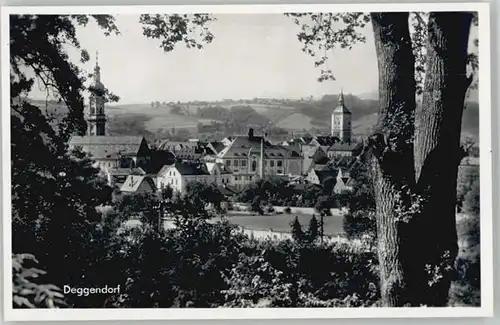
x=286 y=116
x=281 y=222
x=158 y=118
x=296 y=121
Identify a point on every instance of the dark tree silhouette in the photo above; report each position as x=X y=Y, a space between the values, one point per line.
x=413 y=170
x=296 y=227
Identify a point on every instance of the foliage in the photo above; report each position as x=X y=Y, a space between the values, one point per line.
x=26 y=292
x=466 y=288
x=171 y=29
x=322 y=32
x=323 y=205
x=300 y=274
x=256 y=205
x=145 y=207
x=56 y=193
x=360 y=223
x=329 y=184
x=296 y=229
x=179 y=267
x=472 y=200
x=204 y=194
x=48 y=60
x=313 y=231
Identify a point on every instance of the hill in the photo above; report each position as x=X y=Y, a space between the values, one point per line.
x=236 y=116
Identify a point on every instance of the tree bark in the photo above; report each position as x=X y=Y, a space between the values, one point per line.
x=389 y=151
x=437 y=155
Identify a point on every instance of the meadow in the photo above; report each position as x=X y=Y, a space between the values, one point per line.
x=281 y=222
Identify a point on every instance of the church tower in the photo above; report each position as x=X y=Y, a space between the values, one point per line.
x=341 y=121
x=97 y=117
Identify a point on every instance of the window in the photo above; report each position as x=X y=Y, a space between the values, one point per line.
x=280 y=171
x=254 y=165
x=250 y=177
x=243 y=163
x=271 y=163
x=236 y=163
x=228 y=162
x=280 y=163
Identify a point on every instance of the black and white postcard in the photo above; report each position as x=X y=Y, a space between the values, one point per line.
x=247 y=161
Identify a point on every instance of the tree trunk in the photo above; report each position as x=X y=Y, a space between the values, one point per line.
x=389 y=151
x=437 y=155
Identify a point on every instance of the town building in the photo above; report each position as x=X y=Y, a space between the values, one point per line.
x=183 y=150
x=97 y=117
x=135 y=184
x=344 y=183
x=252 y=157
x=117 y=176
x=221 y=175
x=341 y=121
x=178 y=175
x=318 y=176
x=108 y=152
x=344 y=149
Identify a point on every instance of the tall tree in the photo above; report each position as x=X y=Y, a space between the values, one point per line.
x=437 y=148
x=413 y=154
x=55 y=192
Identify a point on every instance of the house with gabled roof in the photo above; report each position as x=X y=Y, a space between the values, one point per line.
x=179 y=174
x=344 y=182
x=138 y=184
x=222 y=175
x=317 y=177
x=117 y=176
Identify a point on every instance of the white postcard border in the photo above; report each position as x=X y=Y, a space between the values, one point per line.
x=486 y=183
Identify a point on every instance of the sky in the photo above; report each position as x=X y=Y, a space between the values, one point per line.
x=252 y=55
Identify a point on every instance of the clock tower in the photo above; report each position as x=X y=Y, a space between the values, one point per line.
x=341 y=121
x=97 y=117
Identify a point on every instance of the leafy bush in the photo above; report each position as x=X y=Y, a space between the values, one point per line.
x=323 y=205
x=180 y=267
x=298 y=274
x=256 y=205
x=360 y=223
x=471 y=203
x=26 y=292
x=288 y=210
x=466 y=289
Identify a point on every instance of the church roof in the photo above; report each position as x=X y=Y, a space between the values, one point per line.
x=103 y=140
x=343 y=146
x=126 y=171
x=104 y=146
x=341 y=108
